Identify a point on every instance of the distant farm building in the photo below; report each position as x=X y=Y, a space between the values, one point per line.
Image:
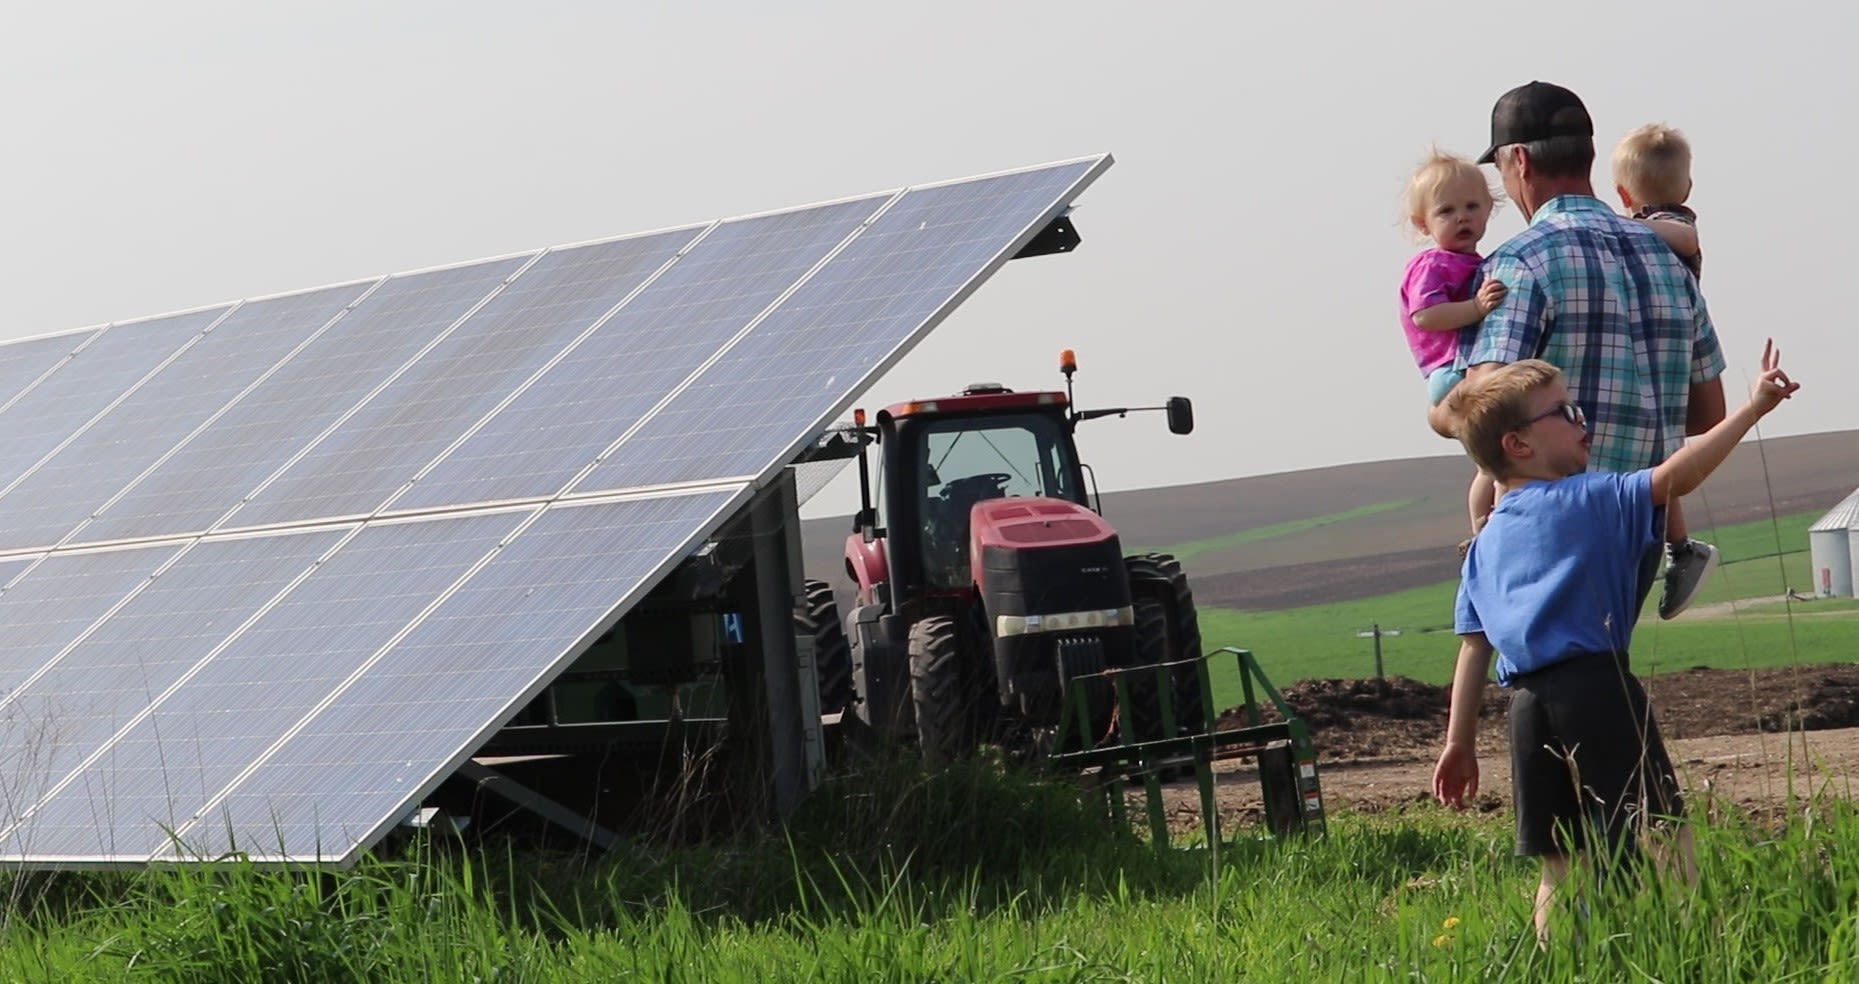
x=1833 y=545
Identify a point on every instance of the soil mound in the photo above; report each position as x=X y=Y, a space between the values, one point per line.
x=1397 y=718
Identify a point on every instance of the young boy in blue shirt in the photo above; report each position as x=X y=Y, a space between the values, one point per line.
x=1551 y=584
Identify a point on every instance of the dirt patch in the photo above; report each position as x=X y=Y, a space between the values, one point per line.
x=1365 y=720
x=1358 y=720
x=1753 y=738
x=1699 y=703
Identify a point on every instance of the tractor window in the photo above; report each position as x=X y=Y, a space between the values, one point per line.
x=1024 y=453
x=976 y=458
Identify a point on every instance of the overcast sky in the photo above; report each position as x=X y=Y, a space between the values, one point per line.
x=1243 y=251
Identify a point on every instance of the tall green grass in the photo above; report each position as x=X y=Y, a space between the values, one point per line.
x=1001 y=878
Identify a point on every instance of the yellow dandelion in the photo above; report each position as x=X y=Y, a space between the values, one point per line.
x=1442 y=940
x=1450 y=922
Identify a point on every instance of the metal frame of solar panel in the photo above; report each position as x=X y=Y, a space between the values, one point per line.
x=271 y=570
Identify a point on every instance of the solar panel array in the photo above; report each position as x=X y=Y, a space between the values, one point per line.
x=271 y=570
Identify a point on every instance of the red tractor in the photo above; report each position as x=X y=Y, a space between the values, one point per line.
x=988 y=581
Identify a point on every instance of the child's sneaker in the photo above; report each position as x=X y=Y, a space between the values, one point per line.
x=1688 y=565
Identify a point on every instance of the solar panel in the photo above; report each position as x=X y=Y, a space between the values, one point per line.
x=391 y=437
x=52 y=608
x=23 y=364
x=211 y=369
x=636 y=359
x=913 y=264
x=271 y=570
x=77 y=384
x=210 y=475
x=478 y=658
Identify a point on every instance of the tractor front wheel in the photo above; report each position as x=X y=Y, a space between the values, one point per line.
x=944 y=732
x=1146 y=683
x=1159 y=576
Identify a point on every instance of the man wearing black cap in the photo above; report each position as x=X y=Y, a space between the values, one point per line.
x=1602 y=297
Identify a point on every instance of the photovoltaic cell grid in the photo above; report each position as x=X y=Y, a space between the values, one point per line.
x=73 y=385
x=444 y=688
x=159 y=412
x=271 y=570
x=207 y=477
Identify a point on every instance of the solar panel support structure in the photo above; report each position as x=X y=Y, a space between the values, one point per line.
x=1059 y=236
x=770 y=738
x=490 y=780
x=794 y=759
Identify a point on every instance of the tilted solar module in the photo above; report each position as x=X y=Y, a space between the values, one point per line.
x=271 y=570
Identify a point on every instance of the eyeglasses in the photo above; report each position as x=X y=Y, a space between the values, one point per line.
x=1566 y=410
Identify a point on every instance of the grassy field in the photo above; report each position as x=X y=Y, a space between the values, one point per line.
x=1760 y=561
x=896 y=881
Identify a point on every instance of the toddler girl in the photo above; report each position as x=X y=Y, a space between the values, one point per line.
x=1449 y=202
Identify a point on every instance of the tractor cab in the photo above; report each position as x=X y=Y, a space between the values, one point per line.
x=944 y=456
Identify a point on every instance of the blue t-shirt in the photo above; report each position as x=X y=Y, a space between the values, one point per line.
x=1555 y=572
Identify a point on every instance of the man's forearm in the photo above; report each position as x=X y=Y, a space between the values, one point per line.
x=1704 y=407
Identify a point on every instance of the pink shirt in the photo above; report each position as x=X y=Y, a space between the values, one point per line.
x=1435 y=276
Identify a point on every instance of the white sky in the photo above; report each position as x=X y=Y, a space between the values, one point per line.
x=1243 y=251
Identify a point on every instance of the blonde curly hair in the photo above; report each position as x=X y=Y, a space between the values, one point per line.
x=1437 y=171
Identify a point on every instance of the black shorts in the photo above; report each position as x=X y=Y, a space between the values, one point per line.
x=1586 y=756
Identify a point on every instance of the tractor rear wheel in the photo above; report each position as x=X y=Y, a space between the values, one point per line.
x=1159 y=576
x=944 y=730
x=832 y=657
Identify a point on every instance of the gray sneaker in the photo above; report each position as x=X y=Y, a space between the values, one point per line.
x=1688 y=566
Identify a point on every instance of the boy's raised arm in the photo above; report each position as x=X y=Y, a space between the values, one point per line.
x=1683 y=472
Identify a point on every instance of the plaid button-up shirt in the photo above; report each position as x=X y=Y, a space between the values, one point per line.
x=1603 y=298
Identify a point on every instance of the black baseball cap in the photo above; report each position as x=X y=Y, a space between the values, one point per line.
x=1536 y=111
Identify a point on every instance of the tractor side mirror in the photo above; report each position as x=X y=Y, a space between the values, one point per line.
x=1180 y=415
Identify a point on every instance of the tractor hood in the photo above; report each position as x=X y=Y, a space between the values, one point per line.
x=1047 y=557
x=1026 y=521
x=1032 y=523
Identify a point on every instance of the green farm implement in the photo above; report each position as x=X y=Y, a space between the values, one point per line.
x=1285 y=754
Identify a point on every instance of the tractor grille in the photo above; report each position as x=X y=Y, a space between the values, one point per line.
x=1079 y=577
